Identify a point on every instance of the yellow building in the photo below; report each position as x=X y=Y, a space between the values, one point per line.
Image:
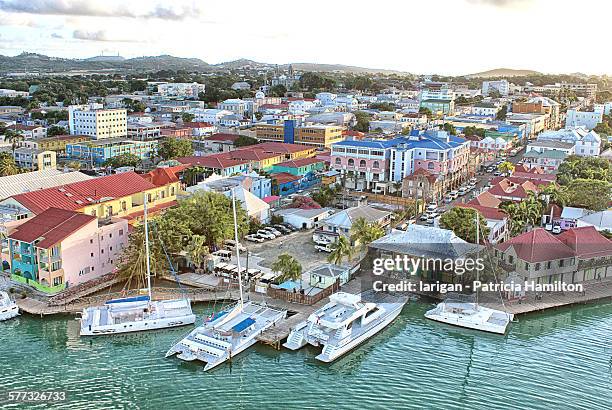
x=316 y=135
x=58 y=143
x=34 y=159
x=120 y=195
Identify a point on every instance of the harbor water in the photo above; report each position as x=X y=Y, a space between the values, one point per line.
x=560 y=359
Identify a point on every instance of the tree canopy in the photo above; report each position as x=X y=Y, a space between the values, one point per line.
x=462 y=221
x=123 y=160
x=171 y=148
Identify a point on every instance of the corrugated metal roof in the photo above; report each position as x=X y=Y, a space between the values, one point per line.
x=80 y=194
x=37 y=180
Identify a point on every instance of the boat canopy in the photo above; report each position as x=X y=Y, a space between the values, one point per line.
x=239 y=327
x=143 y=298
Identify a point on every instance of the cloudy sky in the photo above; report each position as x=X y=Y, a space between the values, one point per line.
x=419 y=36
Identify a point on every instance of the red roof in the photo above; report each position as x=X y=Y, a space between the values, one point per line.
x=284 y=177
x=488 y=212
x=51 y=226
x=80 y=194
x=280 y=147
x=153 y=210
x=422 y=172
x=197 y=124
x=506 y=187
x=587 y=242
x=540 y=178
x=164 y=176
x=486 y=199
x=271 y=198
x=223 y=137
x=537 y=246
x=211 y=161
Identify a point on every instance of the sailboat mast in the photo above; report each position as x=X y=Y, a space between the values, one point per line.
x=477 y=250
x=146 y=230
x=237 y=246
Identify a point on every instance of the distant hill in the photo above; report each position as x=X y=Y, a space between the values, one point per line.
x=503 y=72
x=339 y=68
x=242 y=63
x=40 y=63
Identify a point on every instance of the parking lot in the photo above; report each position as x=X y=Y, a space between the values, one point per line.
x=298 y=244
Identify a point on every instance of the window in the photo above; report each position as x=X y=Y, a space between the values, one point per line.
x=351 y=162
x=91 y=254
x=430 y=165
x=362 y=163
x=537 y=266
x=375 y=164
x=120 y=232
x=338 y=161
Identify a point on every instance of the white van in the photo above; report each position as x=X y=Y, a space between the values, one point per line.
x=230 y=244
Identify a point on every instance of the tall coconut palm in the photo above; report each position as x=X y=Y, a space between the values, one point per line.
x=197 y=250
x=288 y=267
x=555 y=194
x=7 y=165
x=341 y=249
x=14 y=137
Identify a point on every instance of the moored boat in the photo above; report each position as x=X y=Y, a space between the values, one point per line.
x=8 y=307
x=344 y=323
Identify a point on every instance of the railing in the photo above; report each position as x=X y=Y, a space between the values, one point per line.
x=300 y=298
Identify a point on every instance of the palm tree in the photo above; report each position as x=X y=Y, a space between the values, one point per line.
x=14 y=137
x=556 y=194
x=289 y=268
x=340 y=249
x=359 y=231
x=197 y=250
x=7 y=165
x=506 y=167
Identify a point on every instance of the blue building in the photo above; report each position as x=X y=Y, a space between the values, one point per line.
x=97 y=152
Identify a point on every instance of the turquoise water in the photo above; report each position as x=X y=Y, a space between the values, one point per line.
x=554 y=360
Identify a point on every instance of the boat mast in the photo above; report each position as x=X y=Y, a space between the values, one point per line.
x=477 y=250
x=146 y=231
x=237 y=246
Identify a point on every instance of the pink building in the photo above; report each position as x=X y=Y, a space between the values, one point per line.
x=59 y=248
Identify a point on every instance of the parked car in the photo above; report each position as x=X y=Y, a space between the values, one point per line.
x=462 y=191
x=549 y=227
x=473 y=181
x=266 y=234
x=254 y=238
x=273 y=231
x=290 y=227
x=454 y=194
x=423 y=217
x=496 y=173
x=324 y=248
x=430 y=220
x=282 y=228
x=556 y=229
x=448 y=199
x=230 y=245
x=432 y=207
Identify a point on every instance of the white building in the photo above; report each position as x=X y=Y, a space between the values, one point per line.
x=485 y=109
x=585 y=143
x=234 y=105
x=300 y=107
x=210 y=115
x=501 y=86
x=587 y=119
x=603 y=108
x=184 y=90
x=4 y=92
x=99 y=123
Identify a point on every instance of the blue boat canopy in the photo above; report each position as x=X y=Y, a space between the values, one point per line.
x=144 y=298
x=243 y=325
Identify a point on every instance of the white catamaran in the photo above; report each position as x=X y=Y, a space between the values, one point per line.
x=344 y=323
x=135 y=314
x=229 y=332
x=8 y=307
x=471 y=315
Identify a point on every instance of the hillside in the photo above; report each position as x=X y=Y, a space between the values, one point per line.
x=41 y=63
x=503 y=72
x=340 y=68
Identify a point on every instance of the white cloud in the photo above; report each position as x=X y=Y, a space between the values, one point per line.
x=177 y=10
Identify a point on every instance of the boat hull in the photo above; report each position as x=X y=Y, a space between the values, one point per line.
x=466 y=322
x=9 y=312
x=139 y=326
x=344 y=349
